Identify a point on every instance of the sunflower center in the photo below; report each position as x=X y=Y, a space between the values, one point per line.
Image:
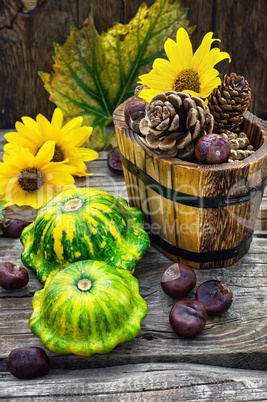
x=58 y=155
x=186 y=79
x=31 y=179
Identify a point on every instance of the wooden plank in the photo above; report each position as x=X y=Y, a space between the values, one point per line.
x=227 y=340
x=215 y=16
x=157 y=364
x=27 y=39
x=27 y=44
x=141 y=382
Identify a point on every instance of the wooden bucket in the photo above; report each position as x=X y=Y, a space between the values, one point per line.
x=202 y=215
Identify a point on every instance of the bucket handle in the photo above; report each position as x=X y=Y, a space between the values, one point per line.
x=240 y=198
x=230 y=199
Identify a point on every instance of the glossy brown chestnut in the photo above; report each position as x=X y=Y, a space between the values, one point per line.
x=212 y=148
x=215 y=295
x=135 y=111
x=28 y=362
x=14 y=227
x=178 y=280
x=188 y=318
x=12 y=276
x=114 y=161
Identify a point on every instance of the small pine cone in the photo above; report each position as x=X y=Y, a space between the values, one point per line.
x=239 y=144
x=173 y=122
x=228 y=103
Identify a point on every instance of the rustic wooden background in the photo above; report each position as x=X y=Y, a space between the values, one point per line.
x=28 y=29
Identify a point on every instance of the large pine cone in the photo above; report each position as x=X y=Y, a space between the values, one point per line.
x=228 y=103
x=173 y=122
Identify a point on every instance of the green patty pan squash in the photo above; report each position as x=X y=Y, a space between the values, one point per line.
x=84 y=224
x=86 y=308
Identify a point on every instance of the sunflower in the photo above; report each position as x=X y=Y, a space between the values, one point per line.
x=28 y=180
x=68 y=139
x=185 y=71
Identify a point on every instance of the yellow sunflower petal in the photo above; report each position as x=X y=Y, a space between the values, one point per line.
x=13 y=136
x=193 y=93
x=18 y=157
x=200 y=55
x=221 y=56
x=209 y=76
x=22 y=129
x=44 y=126
x=3 y=183
x=45 y=153
x=64 y=165
x=81 y=172
x=211 y=59
x=8 y=170
x=72 y=124
x=32 y=200
x=77 y=167
x=207 y=89
x=175 y=55
x=78 y=136
x=59 y=175
x=30 y=123
x=19 y=197
x=80 y=168
x=88 y=154
x=184 y=47
x=161 y=83
x=148 y=94
x=26 y=137
x=11 y=133
x=11 y=188
x=57 y=118
x=160 y=65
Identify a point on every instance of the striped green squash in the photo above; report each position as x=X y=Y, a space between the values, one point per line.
x=81 y=224
x=86 y=308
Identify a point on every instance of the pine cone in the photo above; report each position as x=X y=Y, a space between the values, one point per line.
x=173 y=122
x=239 y=144
x=228 y=103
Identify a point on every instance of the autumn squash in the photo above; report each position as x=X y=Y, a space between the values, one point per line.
x=86 y=308
x=81 y=224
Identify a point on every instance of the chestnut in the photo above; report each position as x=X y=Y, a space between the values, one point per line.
x=14 y=227
x=178 y=280
x=114 y=161
x=28 y=362
x=188 y=318
x=212 y=148
x=12 y=276
x=215 y=295
x=135 y=111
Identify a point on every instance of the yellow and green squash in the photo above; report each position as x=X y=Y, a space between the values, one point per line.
x=82 y=224
x=86 y=308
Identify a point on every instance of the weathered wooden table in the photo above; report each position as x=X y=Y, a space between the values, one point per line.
x=227 y=362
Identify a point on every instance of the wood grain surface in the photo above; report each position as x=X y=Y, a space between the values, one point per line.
x=227 y=362
x=142 y=382
x=28 y=30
